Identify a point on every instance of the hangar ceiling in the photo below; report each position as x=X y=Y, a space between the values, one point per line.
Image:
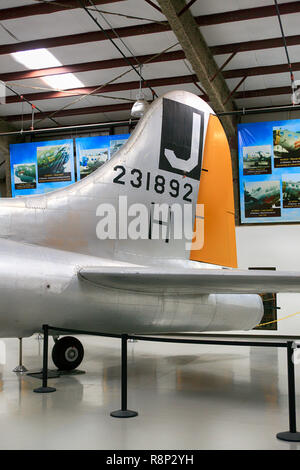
x=242 y=34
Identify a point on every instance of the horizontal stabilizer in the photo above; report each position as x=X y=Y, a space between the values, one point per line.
x=192 y=281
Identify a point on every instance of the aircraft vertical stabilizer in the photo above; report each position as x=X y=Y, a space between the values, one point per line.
x=216 y=194
x=176 y=158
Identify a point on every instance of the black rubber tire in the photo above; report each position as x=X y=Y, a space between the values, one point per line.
x=67 y=353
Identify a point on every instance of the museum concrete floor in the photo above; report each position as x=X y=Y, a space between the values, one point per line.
x=187 y=396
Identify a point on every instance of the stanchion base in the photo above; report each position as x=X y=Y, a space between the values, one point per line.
x=123 y=414
x=20 y=369
x=44 y=390
x=52 y=374
x=289 y=436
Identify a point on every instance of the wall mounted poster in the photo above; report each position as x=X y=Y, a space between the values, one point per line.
x=92 y=152
x=269 y=171
x=41 y=167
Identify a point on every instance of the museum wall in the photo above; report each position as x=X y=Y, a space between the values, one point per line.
x=273 y=246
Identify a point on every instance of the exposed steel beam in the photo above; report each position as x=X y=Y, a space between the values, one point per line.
x=264 y=109
x=77 y=127
x=72 y=112
x=153 y=5
x=260 y=70
x=144 y=29
x=222 y=66
x=186 y=7
x=232 y=93
x=203 y=20
x=151 y=28
x=286 y=90
x=80 y=38
x=255 y=45
x=115 y=63
x=111 y=88
x=248 y=14
x=45 y=8
x=157 y=82
x=280 y=90
x=89 y=66
x=255 y=110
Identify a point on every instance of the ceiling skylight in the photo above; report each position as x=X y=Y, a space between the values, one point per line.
x=36 y=59
x=63 y=81
x=42 y=59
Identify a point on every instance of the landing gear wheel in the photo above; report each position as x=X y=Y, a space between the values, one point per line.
x=67 y=353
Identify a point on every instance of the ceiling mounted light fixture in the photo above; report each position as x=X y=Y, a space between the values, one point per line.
x=141 y=105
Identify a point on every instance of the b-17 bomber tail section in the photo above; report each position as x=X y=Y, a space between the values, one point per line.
x=176 y=164
x=144 y=244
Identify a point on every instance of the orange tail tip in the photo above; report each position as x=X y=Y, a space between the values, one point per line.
x=216 y=193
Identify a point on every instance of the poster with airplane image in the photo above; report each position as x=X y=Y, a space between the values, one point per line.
x=269 y=157
x=93 y=152
x=291 y=191
x=286 y=145
x=257 y=160
x=262 y=199
x=54 y=163
x=41 y=167
x=25 y=176
x=91 y=159
x=115 y=145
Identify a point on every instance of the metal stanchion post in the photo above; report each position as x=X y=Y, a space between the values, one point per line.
x=292 y=435
x=20 y=367
x=45 y=388
x=124 y=412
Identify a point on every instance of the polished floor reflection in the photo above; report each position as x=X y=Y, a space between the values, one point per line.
x=187 y=396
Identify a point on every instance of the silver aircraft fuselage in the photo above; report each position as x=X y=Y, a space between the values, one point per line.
x=40 y=285
x=45 y=240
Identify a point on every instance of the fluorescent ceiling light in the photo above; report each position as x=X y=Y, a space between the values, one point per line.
x=42 y=59
x=36 y=59
x=63 y=81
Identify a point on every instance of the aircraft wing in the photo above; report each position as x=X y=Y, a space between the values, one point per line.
x=191 y=281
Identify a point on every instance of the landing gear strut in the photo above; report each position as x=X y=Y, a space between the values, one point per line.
x=67 y=353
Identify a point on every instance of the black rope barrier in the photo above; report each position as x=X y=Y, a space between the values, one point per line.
x=291 y=435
